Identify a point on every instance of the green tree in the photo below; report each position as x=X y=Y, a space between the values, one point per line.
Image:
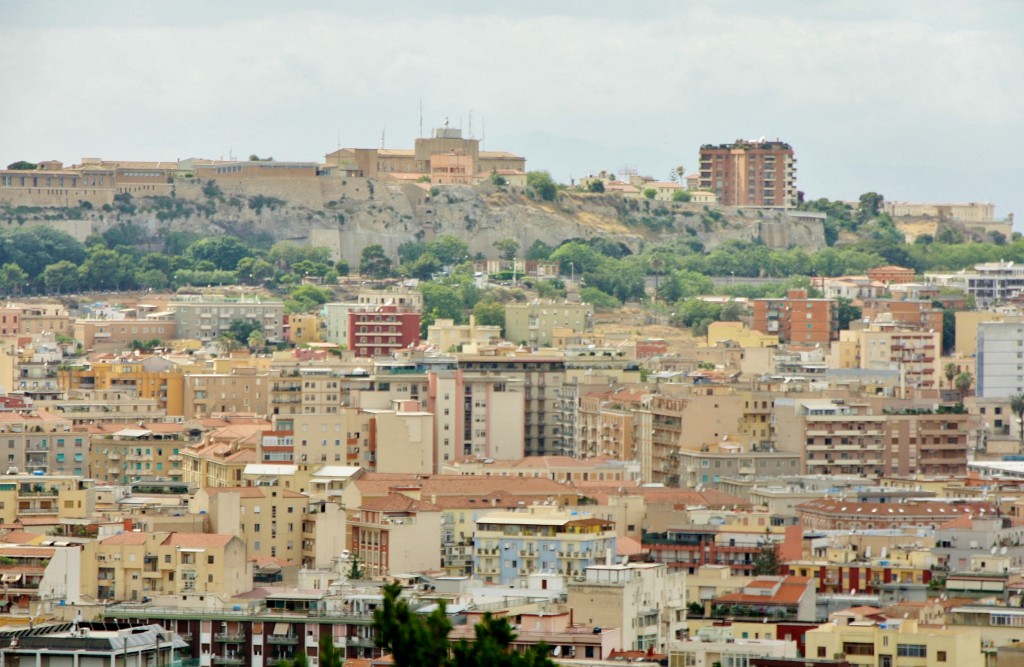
x=542 y=185
x=412 y=640
x=950 y=370
x=304 y=298
x=13 y=279
x=601 y=301
x=240 y=330
x=498 y=179
x=256 y=341
x=226 y=344
x=767 y=560
x=423 y=267
x=847 y=312
x=963 y=382
x=374 y=262
x=330 y=655
x=23 y=165
x=355 y=572
x=507 y=248
x=681 y=196
x=61 y=277
x=490 y=313
x=539 y=251
x=870 y=205
x=102 y=270
x=596 y=185
x=1017 y=408
x=449 y=250
x=224 y=252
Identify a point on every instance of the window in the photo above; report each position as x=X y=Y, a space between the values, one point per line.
x=912 y=650
x=940 y=656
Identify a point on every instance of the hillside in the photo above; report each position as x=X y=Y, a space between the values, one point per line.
x=355 y=213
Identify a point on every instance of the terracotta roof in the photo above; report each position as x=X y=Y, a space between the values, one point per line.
x=126 y=538
x=22 y=537
x=791 y=590
x=628 y=546
x=197 y=540
x=27 y=551
x=397 y=502
x=253 y=491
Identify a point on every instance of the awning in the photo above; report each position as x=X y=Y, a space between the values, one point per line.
x=280 y=629
x=11 y=577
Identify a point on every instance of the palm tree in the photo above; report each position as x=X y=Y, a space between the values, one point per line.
x=226 y=344
x=1017 y=407
x=681 y=174
x=951 y=370
x=963 y=382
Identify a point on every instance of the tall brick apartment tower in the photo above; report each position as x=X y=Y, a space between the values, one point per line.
x=750 y=173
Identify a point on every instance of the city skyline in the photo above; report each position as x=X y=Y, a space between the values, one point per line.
x=872 y=97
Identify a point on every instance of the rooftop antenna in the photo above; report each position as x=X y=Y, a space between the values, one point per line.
x=470 y=124
x=483 y=129
x=421 y=116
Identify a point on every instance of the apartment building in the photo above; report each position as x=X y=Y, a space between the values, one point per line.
x=134 y=565
x=918 y=314
x=475 y=415
x=267 y=518
x=242 y=390
x=916 y=354
x=646 y=600
x=397 y=534
x=750 y=173
x=147 y=376
x=845 y=515
x=1000 y=360
x=121 y=455
x=103 y=406
x=43 y=442
x=895 y=642
x=797 y=318
x=509 y=545
x=535 y=322
x=50 y=496
x=118 y=335
x=541 y=378
x=448 y=336
x=382 y=330
x=39 y=317
x=206 y=317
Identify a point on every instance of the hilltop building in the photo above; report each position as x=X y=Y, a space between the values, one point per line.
x=750 y=173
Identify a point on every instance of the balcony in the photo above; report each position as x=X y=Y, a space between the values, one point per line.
x=228 y=660
x=283 y=640
x=230 y=637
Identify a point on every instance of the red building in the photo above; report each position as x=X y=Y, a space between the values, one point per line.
x=382 y=330
x=797 y=319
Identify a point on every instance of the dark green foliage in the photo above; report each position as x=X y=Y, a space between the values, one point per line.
x=23 y=165
x=539 y=250
x=374 y=262
x=767 y=560
x=415 y=640
x=541 y=185
x=224 y=252
x=847 y=312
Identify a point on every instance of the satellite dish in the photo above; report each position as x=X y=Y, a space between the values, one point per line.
x=1002 y=551
x=884 y=552
x=853 y=591
x=992 y=551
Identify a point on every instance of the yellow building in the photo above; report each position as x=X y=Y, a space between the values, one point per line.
x=739 y=334
x=304 y=328
x=897 y=643
x=967 y=322
x=267 y=518
x=134 y=565
x=61 y=496
x=125 y=453
x=148 y=376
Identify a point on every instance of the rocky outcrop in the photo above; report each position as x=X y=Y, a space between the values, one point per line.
x=348 y=215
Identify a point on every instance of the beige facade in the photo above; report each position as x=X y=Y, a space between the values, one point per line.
x=117 y=335
x=267 y=518
x=122 y=455
x=242 y=390
x=646 y=600
x=134 y=565
x=397 y=534
x=535 y=322
x=205 y=318
x=445 y=335
x=899 y=643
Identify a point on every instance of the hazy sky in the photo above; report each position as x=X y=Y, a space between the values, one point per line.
x=920 y=101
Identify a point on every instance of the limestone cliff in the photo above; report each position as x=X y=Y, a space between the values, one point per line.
x=347 y=215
